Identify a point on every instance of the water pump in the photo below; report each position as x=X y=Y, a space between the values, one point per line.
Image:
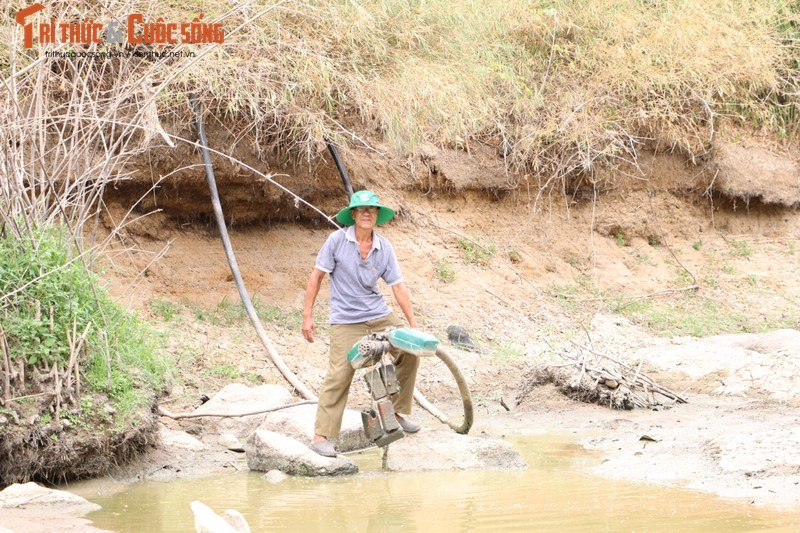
x=380 y=423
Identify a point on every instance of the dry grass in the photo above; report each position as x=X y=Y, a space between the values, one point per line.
x=557 y=87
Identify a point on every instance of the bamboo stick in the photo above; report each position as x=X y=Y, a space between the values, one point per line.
x=75 y=347
x=77 y=381
x=57 y=393
x=6 y=368
x=15 y=398
x=108 y=361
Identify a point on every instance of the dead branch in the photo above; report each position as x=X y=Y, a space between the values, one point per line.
x=600 y=379
x=57 y=379
x=6 y=367
x=692 y=287
x=37 y=395
x=177 y=416
x=638 y=378
x=73 y=367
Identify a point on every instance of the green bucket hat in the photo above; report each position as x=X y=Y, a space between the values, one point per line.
x=360 y=199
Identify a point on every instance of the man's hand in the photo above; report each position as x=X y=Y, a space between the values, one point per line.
x=309 y=329
x=314 y=281
x=404 y=301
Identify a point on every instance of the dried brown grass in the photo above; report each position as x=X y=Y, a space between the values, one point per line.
x=557 y=87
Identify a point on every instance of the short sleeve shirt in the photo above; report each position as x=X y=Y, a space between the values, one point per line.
x=355 y=296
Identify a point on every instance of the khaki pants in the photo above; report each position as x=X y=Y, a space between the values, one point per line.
x=336 y=387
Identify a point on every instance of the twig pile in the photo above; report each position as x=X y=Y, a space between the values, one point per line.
x=593 y=377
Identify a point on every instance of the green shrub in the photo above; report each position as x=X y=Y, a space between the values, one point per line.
x=165 y=310
x=741 y=249
x=445 y=271
x=476 y=252
x=228 y=313
x=45 y=296
x=224 y=370
x=51 y=298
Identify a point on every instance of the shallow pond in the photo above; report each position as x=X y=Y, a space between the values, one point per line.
x=552 y=494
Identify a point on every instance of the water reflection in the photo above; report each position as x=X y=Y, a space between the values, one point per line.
x=550 y=495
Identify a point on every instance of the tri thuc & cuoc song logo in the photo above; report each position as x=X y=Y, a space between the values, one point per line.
x=133 y=29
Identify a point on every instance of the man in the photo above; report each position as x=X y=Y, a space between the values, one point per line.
x=356 y=257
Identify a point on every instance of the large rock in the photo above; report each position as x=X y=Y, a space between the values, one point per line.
x=33 y=496
x=444 y=450
x=229 y=441
x=267 y=450
x=207 y=521
x=179 y=442
x=237 y=398
x=298 y=423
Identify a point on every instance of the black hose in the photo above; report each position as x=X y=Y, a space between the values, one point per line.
x=237 y=276
x=466 y=398
x=463 y=389
x=348 y=187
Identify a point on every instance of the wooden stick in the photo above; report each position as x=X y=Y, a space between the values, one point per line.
x=75 y=349
x=71 y=344
x=662 y=292
x=108 y=361
x=57 y=393
x=641 y=361
x=509 y=304
x=77 y=381
x=583 y=368
x=176 y=416
x=6 y=368
x=15 y=398
x=644 y=378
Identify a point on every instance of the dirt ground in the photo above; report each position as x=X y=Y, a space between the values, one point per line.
x=528 y=276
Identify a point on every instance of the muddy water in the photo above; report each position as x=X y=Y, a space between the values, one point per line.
x=552 y=494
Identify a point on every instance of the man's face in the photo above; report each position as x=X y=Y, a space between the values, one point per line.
x=365 y=216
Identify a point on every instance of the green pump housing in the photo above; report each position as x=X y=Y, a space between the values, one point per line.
x=413 y=341
x=369 y=349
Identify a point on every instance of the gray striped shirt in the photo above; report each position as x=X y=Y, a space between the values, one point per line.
x=355 y=296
